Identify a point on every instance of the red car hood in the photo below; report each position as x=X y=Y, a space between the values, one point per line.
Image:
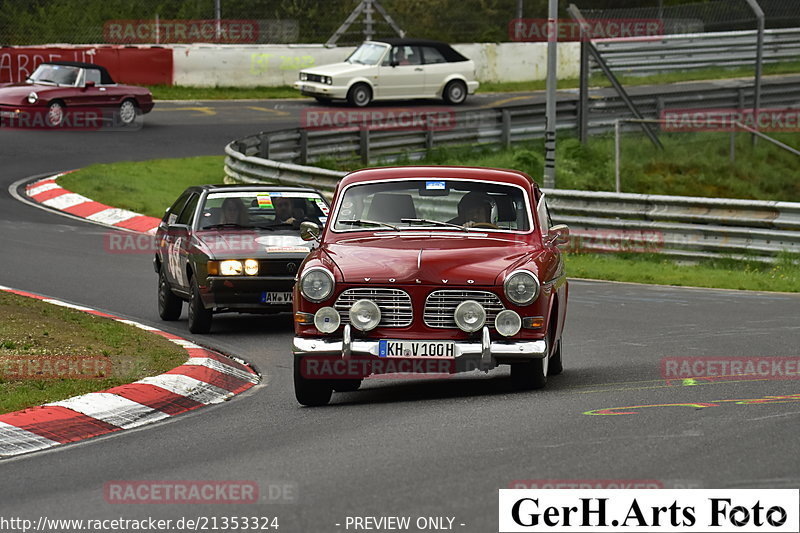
x=443 y=260
x=16 y=93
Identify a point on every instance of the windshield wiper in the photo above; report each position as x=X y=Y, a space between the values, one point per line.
x=434 y=222
x=366 y=223
x=226 y=225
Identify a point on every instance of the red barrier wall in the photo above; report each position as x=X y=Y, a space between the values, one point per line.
x=133 y=65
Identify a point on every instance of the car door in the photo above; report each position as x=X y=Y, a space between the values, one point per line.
x=177 y=252
x=402 y=74
x=436 y=70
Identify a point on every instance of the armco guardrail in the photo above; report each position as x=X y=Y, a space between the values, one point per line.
x=685 y=226
x=691 y=227
x=642 y=56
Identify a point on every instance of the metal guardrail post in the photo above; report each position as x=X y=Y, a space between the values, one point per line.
x=303 y=147
x=505 y=136
x=364 y=145
x=759 y=58
x=428 y=137
x=263 y=145
x=583 y=92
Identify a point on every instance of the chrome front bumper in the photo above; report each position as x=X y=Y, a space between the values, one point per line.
x=487 y=350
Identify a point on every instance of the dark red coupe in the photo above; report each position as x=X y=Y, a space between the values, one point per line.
x=432 y=270
x=57 y=90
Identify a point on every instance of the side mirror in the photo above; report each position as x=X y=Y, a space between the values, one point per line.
x=559 y=234
x=89 y=84
x=393 y=63
x=309 y=231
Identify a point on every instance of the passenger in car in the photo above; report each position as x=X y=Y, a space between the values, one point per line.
x=234 y=212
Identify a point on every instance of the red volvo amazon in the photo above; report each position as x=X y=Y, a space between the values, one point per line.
x=430 y=269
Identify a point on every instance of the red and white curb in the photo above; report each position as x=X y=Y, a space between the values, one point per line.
x=48 y=193
x=206 y=378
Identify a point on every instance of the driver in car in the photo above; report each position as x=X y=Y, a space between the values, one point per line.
x=474 y=209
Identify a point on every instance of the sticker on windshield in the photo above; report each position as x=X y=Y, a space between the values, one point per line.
x=264 y=200
x=322 y=206
x=435 y=186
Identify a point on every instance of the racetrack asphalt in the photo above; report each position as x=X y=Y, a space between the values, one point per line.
x=395 y=448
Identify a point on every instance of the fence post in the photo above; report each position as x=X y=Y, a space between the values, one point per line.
x=303 y=147
x=364 y=145
x=583 y=92
x=263 y=145
x=505 y=135
x=616 y=156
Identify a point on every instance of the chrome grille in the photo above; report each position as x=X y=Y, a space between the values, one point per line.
x=395 y=305
x=314 y=77
x=440 y=306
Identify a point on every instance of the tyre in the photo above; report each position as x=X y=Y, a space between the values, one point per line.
x=310 y=392
x=127 y=112
x=359 y=95
x=169 y=305
x=455 y=92
x=346 y=385
x=199 y=316
x=532 y=374
x=55 y=114
x=556 y=365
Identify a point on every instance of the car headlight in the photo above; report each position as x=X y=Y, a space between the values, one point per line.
x=470 y=316
x=303 y=76
x=230 y=267
x=365 y=315
x=327 y=80
x=250 y=267
x=521 y=287
x=507 y=323
x=33 y=98
x=327 y=320
x=316 y=284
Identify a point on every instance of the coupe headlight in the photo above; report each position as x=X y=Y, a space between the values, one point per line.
x=230 y=267
x=470 y=316
x=521 y=287
x=250 y=267
x=316 y=284
x=327 y=320
x=33 y=98
x=507 y=323
x=327 y=80
x=303 y=76
x=365 y=315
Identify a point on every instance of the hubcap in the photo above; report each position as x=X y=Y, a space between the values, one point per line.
x=127 y=112
x=55 y=115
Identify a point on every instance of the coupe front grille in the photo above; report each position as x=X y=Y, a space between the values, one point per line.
x=395 y=305
x=440 y=306
x=314 y=77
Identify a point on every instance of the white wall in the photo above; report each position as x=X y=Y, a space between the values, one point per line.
x=206 y=65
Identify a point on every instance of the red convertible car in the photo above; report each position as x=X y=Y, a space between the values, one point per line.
x=430 y=269
x=57 y=88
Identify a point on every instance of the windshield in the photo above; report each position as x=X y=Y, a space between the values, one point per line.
x=454 y=205
x=55 y=74
x=368 y=54
x=274 y=210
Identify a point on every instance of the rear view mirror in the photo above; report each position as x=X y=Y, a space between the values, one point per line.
x=309 y=231
x=559 y=234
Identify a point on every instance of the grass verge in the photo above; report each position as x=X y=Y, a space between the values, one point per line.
x=142 y=187
x=38 y=339
x=146 y=187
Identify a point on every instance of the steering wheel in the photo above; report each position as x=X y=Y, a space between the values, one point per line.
x=486 y=225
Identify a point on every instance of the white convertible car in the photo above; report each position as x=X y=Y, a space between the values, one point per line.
x=393 y=69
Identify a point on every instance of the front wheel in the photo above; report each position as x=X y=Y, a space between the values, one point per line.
x=556 y=363
x=530 y=375
x=455 y=92
x=199 y=316
x=55 y=114
x=346 y=385
x=359 y=95
x=310 y=392
x=127 y=112
x=169 y=305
